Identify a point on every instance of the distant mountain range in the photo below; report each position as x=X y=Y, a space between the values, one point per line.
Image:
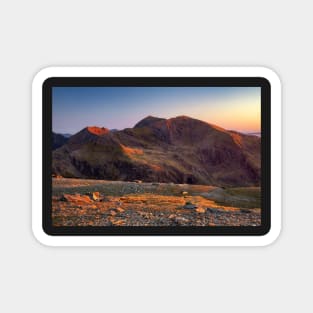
x=58 y=140
x=258 y=134
x=67 y=135
x=178 y=150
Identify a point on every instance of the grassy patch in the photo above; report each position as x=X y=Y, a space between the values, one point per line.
x=243 y=197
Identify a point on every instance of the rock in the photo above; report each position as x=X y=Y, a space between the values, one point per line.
x=189 y=206
x=95 y=196
x=77 y=198
x=181 y=220
x=120 y=210
x=201 y=210
x=212 y=210
x=172 y=216
x=245 y=211
x=57 y=176
x=145 y=214
x=113 y=213
x=184 y=193
x=117 y=222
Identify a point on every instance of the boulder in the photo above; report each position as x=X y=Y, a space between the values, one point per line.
x=95 y=196
x=77 y=198
x=189 y=205
x=201 y=210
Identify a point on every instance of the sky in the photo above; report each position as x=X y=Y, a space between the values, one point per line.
x=233 y=108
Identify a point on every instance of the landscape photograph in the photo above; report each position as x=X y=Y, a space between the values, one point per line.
x=156 y=156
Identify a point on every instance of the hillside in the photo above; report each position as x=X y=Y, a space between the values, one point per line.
x=177 y=150
x=58 y=140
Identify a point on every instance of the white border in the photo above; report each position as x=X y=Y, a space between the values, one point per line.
x=155 y=240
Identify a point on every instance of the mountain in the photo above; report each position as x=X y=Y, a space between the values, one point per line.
x=67 y=135
x=258 y=134
x=58 y=140
x=149 y=121
x=178 y=150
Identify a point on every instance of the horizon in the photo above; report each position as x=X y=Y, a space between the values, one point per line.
x=115 y=129
x=232 y=108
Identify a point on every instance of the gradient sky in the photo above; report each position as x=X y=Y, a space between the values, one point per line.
x=233 y=108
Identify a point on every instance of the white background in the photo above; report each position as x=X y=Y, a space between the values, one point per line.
x=36 y=34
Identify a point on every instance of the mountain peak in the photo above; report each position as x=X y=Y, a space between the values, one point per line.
x=182 y=117
x=88 y=134
x=98 y=131
x=147 y=121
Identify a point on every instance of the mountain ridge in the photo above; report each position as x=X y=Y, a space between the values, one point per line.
x=178 y=150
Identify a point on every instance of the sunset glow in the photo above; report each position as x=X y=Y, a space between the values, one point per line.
x=233 y=108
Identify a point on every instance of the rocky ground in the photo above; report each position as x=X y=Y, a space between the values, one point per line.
x=81 y=202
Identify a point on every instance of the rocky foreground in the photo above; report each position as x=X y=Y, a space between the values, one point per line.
x=80 y=202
